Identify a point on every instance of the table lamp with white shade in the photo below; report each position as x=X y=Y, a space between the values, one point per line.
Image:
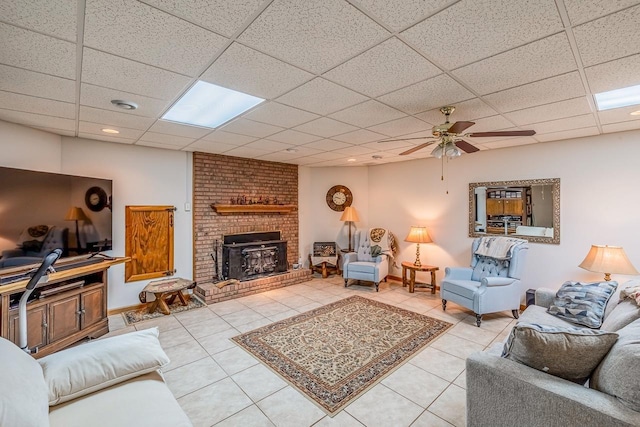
x=608 y=259
x=418 y=235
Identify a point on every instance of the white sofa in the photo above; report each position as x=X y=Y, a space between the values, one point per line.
x=109 y=382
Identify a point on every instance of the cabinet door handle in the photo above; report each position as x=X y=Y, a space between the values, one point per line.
x=79 y=312
x=45 y=325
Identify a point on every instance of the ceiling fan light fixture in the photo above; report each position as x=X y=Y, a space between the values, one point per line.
x=451 y=150
x=437 y=152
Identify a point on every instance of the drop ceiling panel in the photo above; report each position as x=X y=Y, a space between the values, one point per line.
x=271 y=146
x=111 y=71
x=303 y=150
x=56 y=18
x=534 y=61
x=37 y=120
x=325 y=127
x=618 y=115
x=329 y=155
x=614 y=74
x=251 y=128
x=279 y=157
x=32 y=104
x=359 y=136
x=312 y=38
x=580 y=11
x=432 y=93
x=36 y=52
x=621 y=127
x=546 y=91
x=106 y=138
x=36 y=84
x=139 y=32
x=304 y=161
x=328 y=145
x=322 y=97
x=368 y=113
x=160 y=138
x=548 y=112
x=399 y=14
x=250 y=153
x=390 y=146
x=210 y=146
x=355 y=150
x=228 y=138
x=221 y=16
x=510 y=142
x=610 y=37
x=487 y=124
x=101 y=97
x=280 y=115
x=568 y=123
x=471 y=109
x=401 y=126
x=113 y=118
x=249 y=71
x=388 y=66
x=57 y=131
x=472 y=30
x=290 y=136
x=178 y=129
x=96 y=129
x=161 y=145
x=567 y=134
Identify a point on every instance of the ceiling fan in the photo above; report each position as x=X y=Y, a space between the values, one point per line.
x=450 y=140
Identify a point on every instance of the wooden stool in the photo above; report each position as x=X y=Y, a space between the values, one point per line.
x=325 y=268
x=166 y=291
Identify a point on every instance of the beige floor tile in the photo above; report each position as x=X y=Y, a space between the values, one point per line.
x=258 y=382
x=195 y=316
x=288 y=408
x=427 y=419
x=473 y=333
x=383 y=407
x=226 y=307
x=456 y=346
x=415 y=304
x=249 y=417
x=283 y=315
x=451 y=406
x=415 y=384
x=214 y=403
x=116 y=322
x=491 y=322
x=208 y=327
x=461 y=381
x=194 y=376
x=444 y=365
x=174 y=337
x=271 y=309
x=183 y=354
x=234 y=360
x=454 y=316
x=242 y=317
x=296 y=301
x=341 y=419
x=309 y=307
x=255 y=300
x=218 y=342
x=163 y=323
x=120 y=331
x=254 y=325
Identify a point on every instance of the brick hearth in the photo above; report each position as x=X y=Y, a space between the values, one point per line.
x=210 y=293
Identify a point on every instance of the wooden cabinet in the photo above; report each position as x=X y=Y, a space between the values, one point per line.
x=36 y=324
x=513 y=207
x=64 y=318
x=495 y=207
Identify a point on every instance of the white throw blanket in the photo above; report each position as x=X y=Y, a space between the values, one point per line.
x=379 y=237
x=632 y=292
x=498 y=247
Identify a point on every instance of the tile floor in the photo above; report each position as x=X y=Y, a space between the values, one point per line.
x=219 y=384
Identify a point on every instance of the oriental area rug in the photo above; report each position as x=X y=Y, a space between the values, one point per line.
x=336 y=352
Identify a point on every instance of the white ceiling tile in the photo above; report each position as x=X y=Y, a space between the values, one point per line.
x=282 y=157
x=548 y=112
x=322 y=97
x=399 y=145
x=251 y=128
x=614 y=74
x=32 y=104
x=585 y=10
x=471 y=109
x=567 y=134
x=304 y=161
x=360 y=136
x=265 y=144
x=303 y=150
x=222 y=16
x=280 y=115
x=161 y=138
x=56 y=131
x=96 y=129
x=621 y=127
x=36 y=84
x=37 y=52
x=228 y=138
x=56 y=18
x=325 y=127
x=616 y=115
x=534 y=61
x=510 y=142
x=101 y=97
x=474 y=29
x=388 y=66
x=113 y=118
x=487 y=124
x=249 y=71
x=30 y=119
x=294 y=137
x=313 y=38
x=246 y=152
x=608 y=38
x=210 y=146
x=398 y=14
x=329 y=155
x=546 y=91
x=103 y=138
x=355 y=150
x=327 y=145
x=106 y=70
x=142 y=33
x=171 y=128
x=160 y=145
x=367 y=114
x=567 y=123
x=401 y=126
x=432 y=93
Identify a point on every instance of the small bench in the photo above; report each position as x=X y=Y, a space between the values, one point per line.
x=166 y=291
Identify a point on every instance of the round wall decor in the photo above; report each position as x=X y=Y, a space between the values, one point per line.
x=96 y=199
x=339 y=197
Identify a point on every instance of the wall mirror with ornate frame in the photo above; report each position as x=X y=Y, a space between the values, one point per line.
x=529 y=209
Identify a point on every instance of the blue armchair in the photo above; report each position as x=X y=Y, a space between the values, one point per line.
x=360 y=265
x=490 y=285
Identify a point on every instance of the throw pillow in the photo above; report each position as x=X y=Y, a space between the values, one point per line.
x=565 y=352
x=582 y=303
x=99 y=364
x=618 y=373
x=23 y=401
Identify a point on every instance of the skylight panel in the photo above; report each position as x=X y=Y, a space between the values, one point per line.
x=618 y=98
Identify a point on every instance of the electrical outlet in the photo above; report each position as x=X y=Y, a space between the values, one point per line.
x=187 y=207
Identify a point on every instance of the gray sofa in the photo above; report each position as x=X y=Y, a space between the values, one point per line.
x=501 y=392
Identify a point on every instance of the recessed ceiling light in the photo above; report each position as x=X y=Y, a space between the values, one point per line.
x=209 y=106
x=291 y=150
x=108 y=130
x=618 y=98
x=635 y=113
x=125 y=105
x=351 y=160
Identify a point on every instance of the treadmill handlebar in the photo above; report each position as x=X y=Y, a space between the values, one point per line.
x=49 y=260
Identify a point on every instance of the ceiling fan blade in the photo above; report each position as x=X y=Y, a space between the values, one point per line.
x=466 y=147
x=459 y=127
x=406 y=139
x=416 y=148
x=503 y=133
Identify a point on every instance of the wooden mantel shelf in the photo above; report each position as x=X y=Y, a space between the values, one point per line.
x=235 y=209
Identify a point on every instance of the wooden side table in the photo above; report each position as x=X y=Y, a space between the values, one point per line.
x=411 y=281
x=169 y=289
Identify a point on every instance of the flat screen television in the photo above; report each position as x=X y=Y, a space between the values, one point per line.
x=34 y=204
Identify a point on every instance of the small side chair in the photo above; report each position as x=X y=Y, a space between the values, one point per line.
x=360 y=265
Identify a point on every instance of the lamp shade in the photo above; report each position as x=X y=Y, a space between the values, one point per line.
x=75 y=214
x=608 y=259
x=349 y=214
x=418 y=235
